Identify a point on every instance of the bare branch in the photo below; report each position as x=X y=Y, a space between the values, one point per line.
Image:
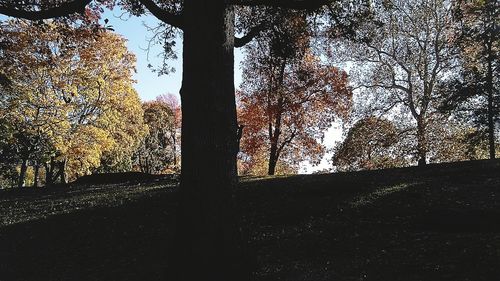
x=291 y=4
x=167 y=17
x=64 y=9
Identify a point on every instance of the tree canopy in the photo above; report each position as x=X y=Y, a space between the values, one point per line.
x=159 y=150
x=286 y=104
x=70 y=100
x=406 y=48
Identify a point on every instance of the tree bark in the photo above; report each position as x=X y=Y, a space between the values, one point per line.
x=273 y=159
x=207 y=238
x=37 y=169
x=62 y=171
x=174 y=148
x=421 y=142
x=22 y=173
x=489 y=89
x=49 y=172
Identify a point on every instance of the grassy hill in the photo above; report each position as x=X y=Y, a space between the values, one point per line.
x=441 y=222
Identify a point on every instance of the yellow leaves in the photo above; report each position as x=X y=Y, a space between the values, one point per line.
x=72 y=85
x=86 y=148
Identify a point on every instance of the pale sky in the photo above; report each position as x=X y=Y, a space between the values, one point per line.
x=149 y=85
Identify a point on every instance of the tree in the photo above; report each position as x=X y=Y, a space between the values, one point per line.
x=71 y=99
x=401 y=53
x=286 y=106
x=35 y=113
x=371 y=143
x=175 y=132
x=7 y=153
x=473 y=97
x=158 y=151
x=206 y=231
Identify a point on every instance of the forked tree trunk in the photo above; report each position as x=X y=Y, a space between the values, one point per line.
x=207 y=237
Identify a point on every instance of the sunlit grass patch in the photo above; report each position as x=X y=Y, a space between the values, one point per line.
x=245 y=179
x=22 y=209
x=371 y=197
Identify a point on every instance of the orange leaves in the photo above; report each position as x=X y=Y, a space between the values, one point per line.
x=286 y=106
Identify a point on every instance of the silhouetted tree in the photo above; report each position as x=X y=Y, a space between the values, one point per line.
x=205 y=231
x=474 y=95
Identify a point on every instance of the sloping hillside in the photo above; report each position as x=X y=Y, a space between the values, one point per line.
x=441 y=222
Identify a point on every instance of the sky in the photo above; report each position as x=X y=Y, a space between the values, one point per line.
x=149 y=84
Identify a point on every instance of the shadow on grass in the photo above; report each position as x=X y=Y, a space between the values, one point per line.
x=128 y=242
x=436 y=223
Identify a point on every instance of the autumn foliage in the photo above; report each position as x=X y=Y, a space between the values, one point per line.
x=69 y=101
x=160 y=150
x=285 y=108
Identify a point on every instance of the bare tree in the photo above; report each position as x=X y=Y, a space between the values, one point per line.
x=399 y=55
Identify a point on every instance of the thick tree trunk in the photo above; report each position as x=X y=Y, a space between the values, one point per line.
x=421 y=142
x=207 y=237
x=22 y=173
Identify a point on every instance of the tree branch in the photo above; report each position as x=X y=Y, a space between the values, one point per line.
x=64 y=9
x=290 y=4
x=254 y=32
x=166 y=17
x=286 y=142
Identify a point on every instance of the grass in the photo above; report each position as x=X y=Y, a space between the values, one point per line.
x=441 y=222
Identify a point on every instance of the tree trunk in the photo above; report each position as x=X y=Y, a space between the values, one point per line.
x=62 y=171
x=49 y=172
x=174 y=151
x=421 y=142
x=489 y=89
x=273 y=159
x=207 y=238
x=22 y=173
x=37 y=169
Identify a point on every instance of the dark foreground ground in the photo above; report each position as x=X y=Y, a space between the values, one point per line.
x=437 y=223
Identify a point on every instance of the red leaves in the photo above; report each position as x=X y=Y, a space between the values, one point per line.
x=291 y=104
